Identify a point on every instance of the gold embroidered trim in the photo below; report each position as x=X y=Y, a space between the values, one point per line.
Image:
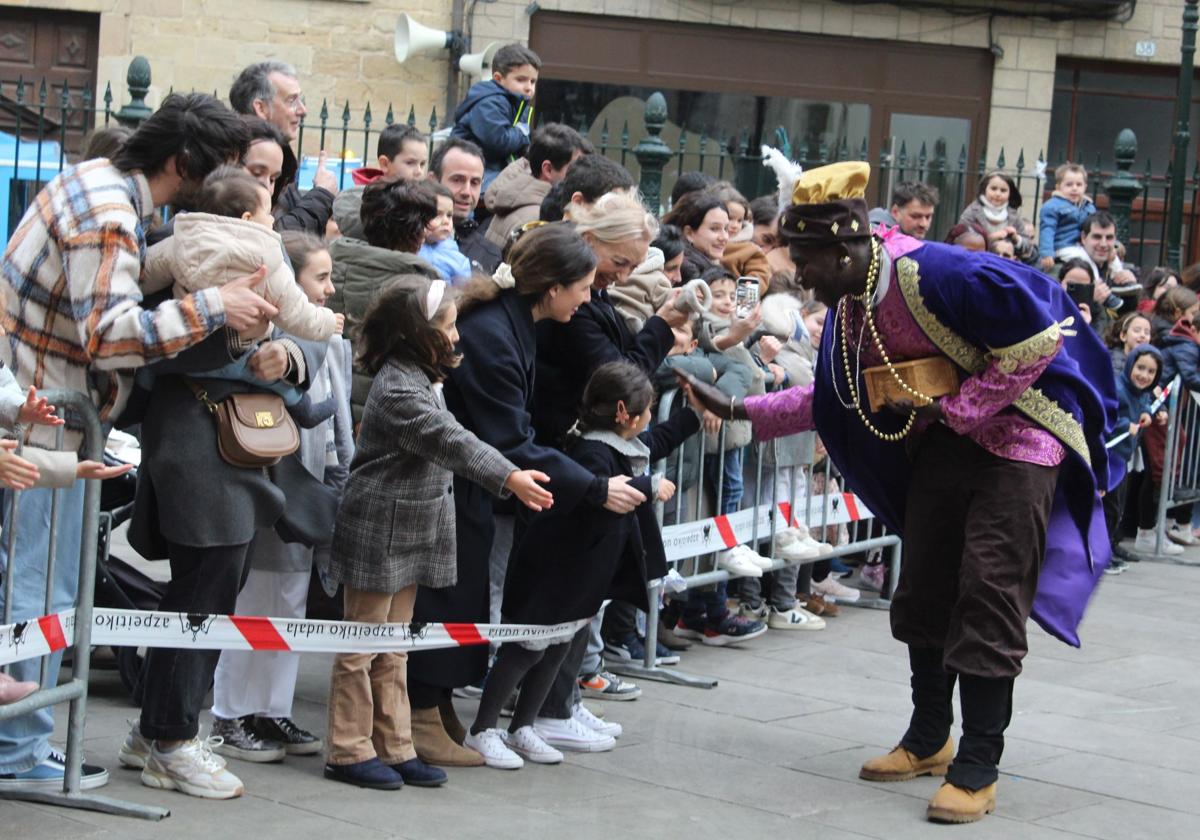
x=1033 y=403
x=1031 y=350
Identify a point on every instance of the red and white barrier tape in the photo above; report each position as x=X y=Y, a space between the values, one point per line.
x=690 y=539
x=136 y=628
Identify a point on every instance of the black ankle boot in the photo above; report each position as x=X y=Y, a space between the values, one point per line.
x=987 y=710
x=932 y=697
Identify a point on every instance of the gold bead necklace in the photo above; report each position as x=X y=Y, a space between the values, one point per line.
x=851 y=380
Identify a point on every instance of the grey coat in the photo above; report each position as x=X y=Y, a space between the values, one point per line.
x=395 y=526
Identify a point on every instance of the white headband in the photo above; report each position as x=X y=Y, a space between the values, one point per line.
x=433 y=299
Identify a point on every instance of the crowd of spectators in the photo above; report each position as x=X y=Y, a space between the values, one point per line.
x=507 y=317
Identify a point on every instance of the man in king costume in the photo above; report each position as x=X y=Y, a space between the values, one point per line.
x=993 y=479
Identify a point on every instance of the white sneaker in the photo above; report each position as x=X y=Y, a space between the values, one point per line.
x=490 y=744
x=754 y=557
x=571 y=735
x=790 y=548
x=193 y=769
x=136 y=749
x=805 y=537
x=1144 y=543
x=584 y=715
x=1182 y=534
x=797 y=618
x=737 y=564
x=834 y=591
x=526 y=743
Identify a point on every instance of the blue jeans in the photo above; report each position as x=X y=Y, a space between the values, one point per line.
x=710 y=603
x=24 y=741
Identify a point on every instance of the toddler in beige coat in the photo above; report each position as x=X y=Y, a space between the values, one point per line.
x=231 y=236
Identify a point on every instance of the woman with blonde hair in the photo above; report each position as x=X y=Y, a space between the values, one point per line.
x=618 y=229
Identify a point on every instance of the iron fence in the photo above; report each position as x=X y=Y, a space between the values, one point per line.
x=48 y=123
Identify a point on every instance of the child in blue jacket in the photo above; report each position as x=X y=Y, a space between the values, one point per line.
x=497 y=111
x=1135 y=398
x=1063 y=215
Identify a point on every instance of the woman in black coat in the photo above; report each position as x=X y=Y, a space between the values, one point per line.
x=618 y=229
x=490 y=393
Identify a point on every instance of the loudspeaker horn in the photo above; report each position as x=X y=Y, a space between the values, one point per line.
x=413 y=37
x=480 y=63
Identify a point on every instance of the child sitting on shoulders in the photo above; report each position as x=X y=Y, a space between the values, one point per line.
x=1063 y=214
x=230 y=236
x=440 y=250
x=496 y=111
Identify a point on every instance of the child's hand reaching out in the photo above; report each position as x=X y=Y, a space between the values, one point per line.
x=524 y=485
x=666 y=489
x=96 y=469
x=37 y=410
x=1143 y=421
x=1161 y=418
x=339 y=323
x=15 y=472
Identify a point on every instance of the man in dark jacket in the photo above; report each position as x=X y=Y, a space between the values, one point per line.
x=458 y=165
x=270 y=90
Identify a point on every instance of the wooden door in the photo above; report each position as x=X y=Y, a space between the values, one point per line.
x=56 y=47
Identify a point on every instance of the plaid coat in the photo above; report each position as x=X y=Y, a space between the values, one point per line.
x=73 y=314
x=395 y=526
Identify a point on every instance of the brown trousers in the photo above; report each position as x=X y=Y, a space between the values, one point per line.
x=369 y=714
x=974 y=539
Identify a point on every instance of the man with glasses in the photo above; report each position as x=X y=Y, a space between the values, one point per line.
x=271 y=91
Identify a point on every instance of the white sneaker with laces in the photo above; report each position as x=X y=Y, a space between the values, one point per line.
x=1182 y=534
x=791 y=548
x=738 y=564
x=572 y=736
x=526 y=743
x=796 y=618
x=135 y=749
x=490 y=744
x=1144 y=543
x=754 y=557
x=834 y=591
x=805 y=537
x=193 y=769
x=584 y=715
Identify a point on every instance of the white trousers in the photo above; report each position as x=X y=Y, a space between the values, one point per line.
x=262 y=682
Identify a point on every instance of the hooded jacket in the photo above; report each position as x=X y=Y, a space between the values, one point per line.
x=1181 y=354
x=309 y=211
x=208 y=251
x=495 y=119
x=514 y=198
x=360 y=270
x=1133 y=402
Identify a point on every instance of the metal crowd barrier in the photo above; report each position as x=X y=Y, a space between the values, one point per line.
x=74 y=691
x=817 y=513
x=1181 y=462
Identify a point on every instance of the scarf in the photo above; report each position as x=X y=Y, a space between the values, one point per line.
x=995 y=215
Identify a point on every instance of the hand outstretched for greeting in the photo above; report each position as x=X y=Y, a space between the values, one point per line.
x=15 y=472
x=37 y=410
x=712 y=398
x=904 y=406
x=524 y=485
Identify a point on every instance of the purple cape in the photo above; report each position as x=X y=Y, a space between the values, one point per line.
x=969 y=303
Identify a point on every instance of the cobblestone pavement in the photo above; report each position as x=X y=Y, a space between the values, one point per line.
x=1100 y=746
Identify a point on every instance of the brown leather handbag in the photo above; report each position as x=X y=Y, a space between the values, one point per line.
x=253 y=430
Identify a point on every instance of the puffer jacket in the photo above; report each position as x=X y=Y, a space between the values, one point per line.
x=359 y=272
x=745 y=259
x=1181 y=355
x=208 y=251
x=782 y=318
x=514 y=198
x=643 y=293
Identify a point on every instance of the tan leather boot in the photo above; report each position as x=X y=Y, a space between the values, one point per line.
x=450 y=721
x=900 y=765
x=952 y=804
x=434 y=746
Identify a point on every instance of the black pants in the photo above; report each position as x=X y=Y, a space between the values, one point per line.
x=620 y=622
x=560 y=702
x=534 y=670
x=204 y=582
x=974 y=539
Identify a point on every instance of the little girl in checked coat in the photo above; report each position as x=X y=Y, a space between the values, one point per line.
x=395 y=526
